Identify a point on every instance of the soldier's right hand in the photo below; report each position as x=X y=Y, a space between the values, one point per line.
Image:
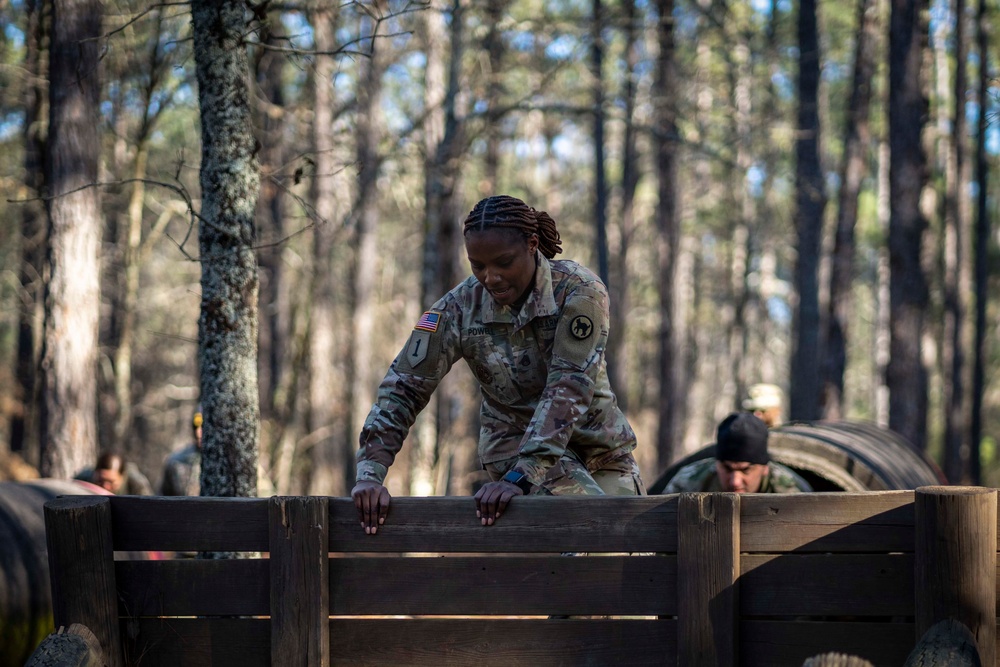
x=372 y=501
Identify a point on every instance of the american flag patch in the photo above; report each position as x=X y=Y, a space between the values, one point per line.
x=429 y=321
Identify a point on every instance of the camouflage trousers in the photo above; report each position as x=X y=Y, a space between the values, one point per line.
x=570 y=477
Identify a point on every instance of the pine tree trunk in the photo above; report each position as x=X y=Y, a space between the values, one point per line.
x=619 y=287
x=24 y=422
x=853 y=171
x=668 y=231
x=810 y=202
x=956 y=285
x=906 y=375
x=367 y=263
x=600 y=178
x=495 y=52
x=982 y=241
x=275 y=299
x=275 y=342
x=744 y=221
x=433 y=451
x=230 y=181
x=332 y=451
x=72 y=303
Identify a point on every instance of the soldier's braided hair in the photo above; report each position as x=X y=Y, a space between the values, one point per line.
x=506 y=212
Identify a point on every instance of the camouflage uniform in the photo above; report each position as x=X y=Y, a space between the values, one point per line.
x=182 y=473
x=701 y=476
x=134 y=483
x=547 y=406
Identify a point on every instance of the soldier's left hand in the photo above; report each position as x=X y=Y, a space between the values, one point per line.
x=492 y=499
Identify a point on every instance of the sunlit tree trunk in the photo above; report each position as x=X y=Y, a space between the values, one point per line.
x=438 y=450
x=72 y=300
x=744 y=219
x=230 y=181
x=906 y=375
x=881 y=344
x=956 y=278
x=853 y=171
x=365 y=271
x=333 y=447
x=810 y=202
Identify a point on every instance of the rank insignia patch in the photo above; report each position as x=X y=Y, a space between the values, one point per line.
x=429 y=321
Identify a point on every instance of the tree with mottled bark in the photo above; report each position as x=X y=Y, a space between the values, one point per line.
x=230 y=180
x=906 y=375
x=810 y=202
x=68 y=434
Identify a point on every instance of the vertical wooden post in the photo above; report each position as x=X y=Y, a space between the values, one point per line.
x=82 y=568
x=300 y=576
x=708 y=565
x=955 y=561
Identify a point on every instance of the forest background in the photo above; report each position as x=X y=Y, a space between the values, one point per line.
x=794 y=193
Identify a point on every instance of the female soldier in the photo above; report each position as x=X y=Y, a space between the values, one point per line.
x=533 y=330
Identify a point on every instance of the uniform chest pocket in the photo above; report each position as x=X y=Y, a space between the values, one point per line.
x=510 y=369
x=529 y=370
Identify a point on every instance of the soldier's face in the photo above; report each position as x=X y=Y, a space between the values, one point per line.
x=740 y=476
x=109 y=480
x=502 y=262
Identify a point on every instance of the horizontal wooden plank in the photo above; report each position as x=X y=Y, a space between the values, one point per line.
x=543 y=524
x=524 y=585
x=820 y=522
x=827 y=522
x=197 y=642
x=502 y=643
x=219 y=642
x=189 y=524
x=193 y=587
x=415 y=524
x=504 y=585
x=827 y=584
x=788 y=644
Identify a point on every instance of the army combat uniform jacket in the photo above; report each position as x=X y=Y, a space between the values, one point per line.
x=545 y=389
x=701 y=476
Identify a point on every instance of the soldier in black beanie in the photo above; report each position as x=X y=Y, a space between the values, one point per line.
x=741 y=453
x=741 y=463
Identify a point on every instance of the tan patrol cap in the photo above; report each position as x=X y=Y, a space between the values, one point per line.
x=763 y=397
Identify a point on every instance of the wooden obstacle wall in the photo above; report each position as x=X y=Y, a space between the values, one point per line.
x=712 y=579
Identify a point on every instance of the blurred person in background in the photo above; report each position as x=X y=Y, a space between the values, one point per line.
x=765 y=402
x=113 y=473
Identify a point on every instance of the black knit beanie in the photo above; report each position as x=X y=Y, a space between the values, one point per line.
x=742 y=437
